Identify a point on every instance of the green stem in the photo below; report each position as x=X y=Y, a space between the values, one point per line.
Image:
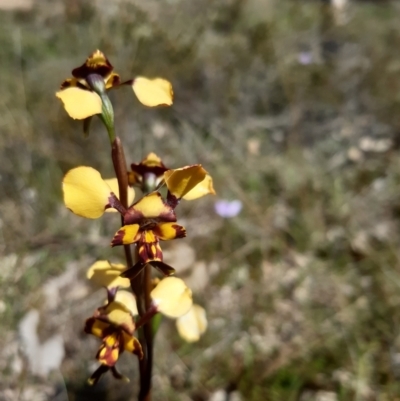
x=107 y=116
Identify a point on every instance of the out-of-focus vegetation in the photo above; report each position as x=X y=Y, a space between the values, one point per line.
x=295 y=111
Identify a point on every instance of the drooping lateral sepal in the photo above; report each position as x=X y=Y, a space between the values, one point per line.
x=133 y=271
x=165 y=269
x=97 y=374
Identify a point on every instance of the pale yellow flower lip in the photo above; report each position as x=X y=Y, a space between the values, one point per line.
x=107 y=274
x=172 y=297
x=193 y=324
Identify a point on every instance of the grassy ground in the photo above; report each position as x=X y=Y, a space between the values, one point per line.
x=302 y=288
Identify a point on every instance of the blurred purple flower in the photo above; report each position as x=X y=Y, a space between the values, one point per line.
x=305 y=57
x=228 y=209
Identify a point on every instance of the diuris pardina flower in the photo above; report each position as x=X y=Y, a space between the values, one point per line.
x=81 y=100
x=114 y=325
x=146 y=222
x=151 y=172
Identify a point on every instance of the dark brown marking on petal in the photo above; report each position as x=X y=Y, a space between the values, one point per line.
x=118 y=238
x=149 y=251
x=96 y=63
x=132 y=216
x=112 y=80
x=172 y=200
x=68 y=83
x=143 y=168
x=109 y=350
x=180 y=231
x=73 y=82
x=169 y=216
x=89 y=325
x=138 y=348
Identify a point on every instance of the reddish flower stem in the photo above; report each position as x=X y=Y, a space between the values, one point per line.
x=142 y=292
x=145 y=391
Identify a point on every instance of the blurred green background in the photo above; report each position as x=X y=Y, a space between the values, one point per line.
x=294 y=108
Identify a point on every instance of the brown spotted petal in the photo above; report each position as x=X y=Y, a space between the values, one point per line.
x=96 y=63
x=167 y=231
x=126 y=235
x=149 y=248
x=109 y=350
x=73 y=82
x=96 y=327
x=117 y=316
x=131 y=344
x=112 y=80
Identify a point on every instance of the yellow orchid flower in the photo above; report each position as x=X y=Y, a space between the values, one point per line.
x=81 y=102
x=114 y=325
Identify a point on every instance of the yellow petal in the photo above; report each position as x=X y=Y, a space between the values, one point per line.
x=167 y=231
x=107 y=274
x=85 y=192
x=172 y=297
x=132 y=344
x=127 y=300
x=80 y=103
x=153 y=92
x=96 y=327
x=125 y=235
x=192 y=325
x=203 y=188
x=113 y=184
x=182 y=180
